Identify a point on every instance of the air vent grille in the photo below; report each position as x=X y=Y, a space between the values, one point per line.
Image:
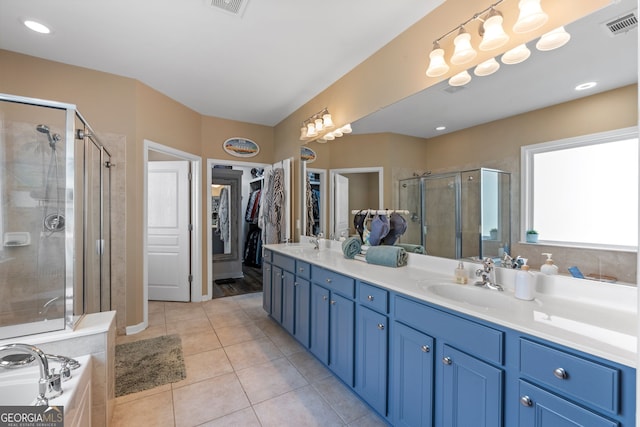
x=622 y=24
x=235 y=7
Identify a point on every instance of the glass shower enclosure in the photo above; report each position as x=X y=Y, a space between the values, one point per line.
x=54 y=217
x=462 y=214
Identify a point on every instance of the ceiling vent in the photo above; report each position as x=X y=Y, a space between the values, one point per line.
x=233 y=7
x=622 y=24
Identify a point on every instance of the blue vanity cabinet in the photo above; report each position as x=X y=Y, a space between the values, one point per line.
x=412 y=377
x=341 y=337
x=288 y=301
x=266 y=281
x=276 y=293
x=372 y=346
x=319 y=339
x=302 y=301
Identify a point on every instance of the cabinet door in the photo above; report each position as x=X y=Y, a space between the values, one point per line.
x=266 y=287
x=472 y=391
x=276 y=293
x=288 y=297
x=371 y=359
x=541 y=409
x=341 y=337
x=320 y=323
x=412 y=376
x=301 y=314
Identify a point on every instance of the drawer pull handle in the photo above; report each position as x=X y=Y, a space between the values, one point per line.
x=526 y=401
x=560 y=373
x=295 y=283
x=324 y=297
x=328 y=280
x=370 y=298
x=447 y=360
x=425 y=349
x=333 y=302
x=381 y=326
x=301 y=269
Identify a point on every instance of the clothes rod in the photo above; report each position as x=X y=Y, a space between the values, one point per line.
x=380 y=211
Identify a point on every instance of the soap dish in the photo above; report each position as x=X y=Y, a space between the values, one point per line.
x=17 y=238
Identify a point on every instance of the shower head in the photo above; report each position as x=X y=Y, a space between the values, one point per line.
x=52 y=138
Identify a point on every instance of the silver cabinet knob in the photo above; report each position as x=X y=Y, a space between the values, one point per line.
x=560 y=373
x=328 y=280
x=333 y=302
x=447 y=360
x=425 y=349
x=324 y=297
x=295 y=283
x=301 y=269
x=381 y=326
x=370 y=297
x=526 y=401
x=268 y=268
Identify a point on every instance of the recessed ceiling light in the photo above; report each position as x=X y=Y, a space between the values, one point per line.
x=37 y=27
x=441 y=128
x=585 y=86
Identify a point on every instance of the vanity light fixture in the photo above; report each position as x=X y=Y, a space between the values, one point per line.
x=493 y=35
x=320 y=128
x=37 y=27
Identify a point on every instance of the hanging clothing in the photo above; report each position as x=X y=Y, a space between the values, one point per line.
x=310 y=222
x=224 y=223
x=253 y=207
x=272 y=207
x=253 y=248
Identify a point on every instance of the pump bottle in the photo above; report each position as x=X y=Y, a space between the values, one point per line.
x=525 y=284
x=549 y=267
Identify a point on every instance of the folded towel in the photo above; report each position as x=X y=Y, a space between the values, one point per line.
x=415 y=249
x=351 y=247
x=389 y=256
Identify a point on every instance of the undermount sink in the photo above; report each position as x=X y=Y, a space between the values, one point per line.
x=474 y=296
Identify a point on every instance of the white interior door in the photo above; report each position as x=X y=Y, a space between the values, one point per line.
x=341 y=203
x=168 y=231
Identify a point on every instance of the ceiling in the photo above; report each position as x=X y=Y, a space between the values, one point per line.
x=545 y=79
x=258 y=66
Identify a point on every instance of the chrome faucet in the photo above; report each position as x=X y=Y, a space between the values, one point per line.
x=49 y=385
x=315 y=240
x=488 y=275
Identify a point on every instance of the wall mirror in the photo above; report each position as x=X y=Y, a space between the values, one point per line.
x=545 y=79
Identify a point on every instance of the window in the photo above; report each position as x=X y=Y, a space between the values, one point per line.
x=583 y=191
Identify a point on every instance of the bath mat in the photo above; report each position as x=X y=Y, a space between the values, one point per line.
x=141 y=365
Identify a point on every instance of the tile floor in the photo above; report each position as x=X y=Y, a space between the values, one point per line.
x=243 y=369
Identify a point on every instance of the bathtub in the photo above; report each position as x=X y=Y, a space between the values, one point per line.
x=20 y=387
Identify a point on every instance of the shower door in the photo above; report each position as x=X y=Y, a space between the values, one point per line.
x=409 y=199
x=440 y=198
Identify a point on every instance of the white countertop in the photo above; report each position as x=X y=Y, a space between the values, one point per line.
x=597 y=318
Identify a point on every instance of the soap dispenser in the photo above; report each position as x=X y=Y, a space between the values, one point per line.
x=525 y=284
x=460 y=274
x=549 y=267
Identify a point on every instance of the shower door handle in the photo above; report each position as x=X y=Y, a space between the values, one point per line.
x=100 y=246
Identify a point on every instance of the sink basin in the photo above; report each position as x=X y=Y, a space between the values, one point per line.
x=477 y=297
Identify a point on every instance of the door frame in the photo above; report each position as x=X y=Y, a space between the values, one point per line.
x=196 y=222
x=210 y=164
x=333 y=172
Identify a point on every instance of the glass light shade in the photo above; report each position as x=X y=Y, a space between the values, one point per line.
x=311 y=130
x=303 y=132
x=321 y=140
x=516 y=55
x=460 y=79
x=319 y=125
x=494 y=35
x=464 y=52
x=486 y=68
x=346 y=128
x=553 y=39
x=531 y=16
x=337 y=133
x=329 y=136
x=437 y=64
x=328 y=122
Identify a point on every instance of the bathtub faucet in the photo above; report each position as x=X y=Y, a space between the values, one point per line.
x=49 y=385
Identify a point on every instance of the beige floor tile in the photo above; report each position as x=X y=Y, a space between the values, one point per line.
x=300 y=407
x=220 y=305
x=249 y=300
x=156 y=307
x=228 y=319
x=150 y=332
x=155 y=410
x=282 y=339
x=201 y=366
x=157 y=319
x=185 y=313
x=237 y=334
x=142 y=394
x=256 y=313
x=271 y=379
x=243 y=418
x=309 y=366
x=208 y=400
x=198 y=342
x=251 y=353
x=341 y=399
x=190 y=326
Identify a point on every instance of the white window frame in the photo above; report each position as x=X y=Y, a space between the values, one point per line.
x=527 y=154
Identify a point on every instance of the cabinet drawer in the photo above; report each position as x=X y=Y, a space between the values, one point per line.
x=303 y=269
x=267 y=256
x=373 y=297
x=572 y=376
x=468 y=336
x=333 y=281
x=284 y=262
